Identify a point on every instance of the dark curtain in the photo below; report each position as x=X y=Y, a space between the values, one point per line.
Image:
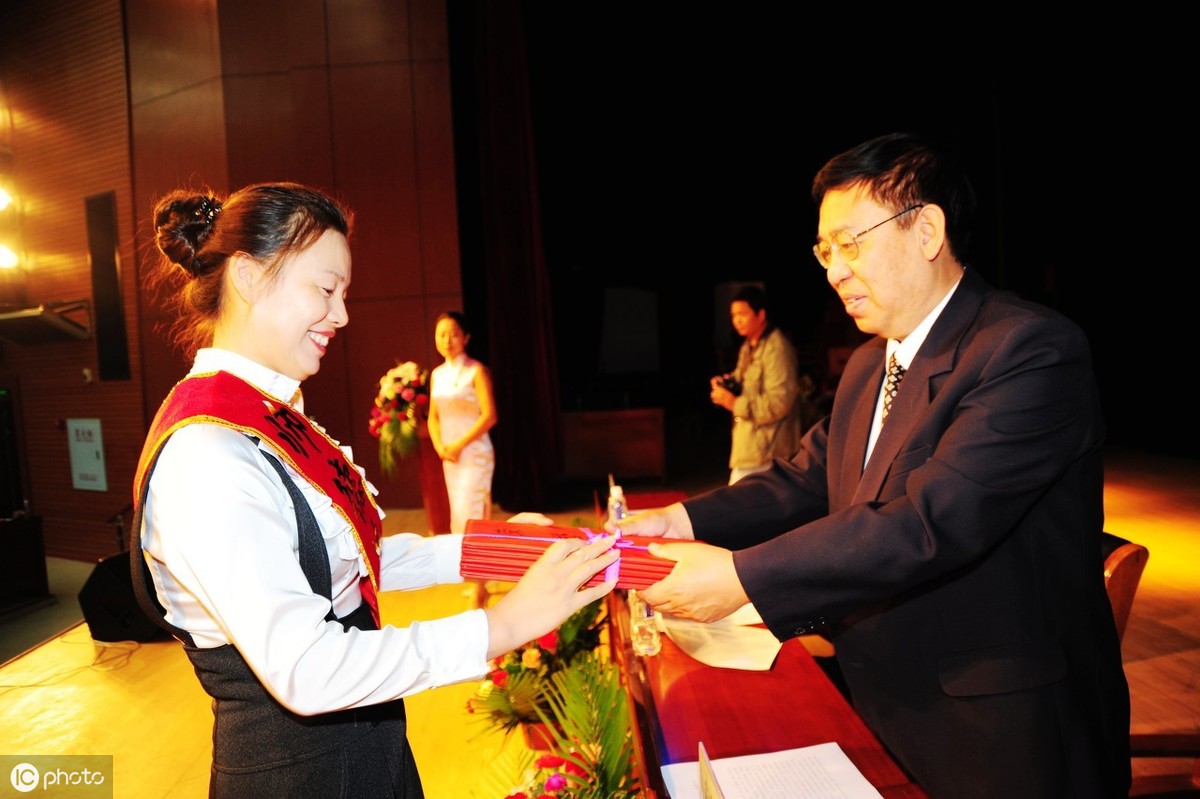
x=505 y=280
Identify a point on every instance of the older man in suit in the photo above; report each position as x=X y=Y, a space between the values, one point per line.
x=951 y=552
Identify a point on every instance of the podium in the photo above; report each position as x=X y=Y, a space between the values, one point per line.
x=678 y=702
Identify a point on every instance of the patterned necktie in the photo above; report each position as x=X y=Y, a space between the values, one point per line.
x=891 y=385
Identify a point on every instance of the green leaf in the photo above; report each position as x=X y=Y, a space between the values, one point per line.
x=578 y=695
x=590 y=721
x=397 y=440
x=505 y=708
x=509 y=768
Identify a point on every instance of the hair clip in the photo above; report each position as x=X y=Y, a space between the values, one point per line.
x=208 y=209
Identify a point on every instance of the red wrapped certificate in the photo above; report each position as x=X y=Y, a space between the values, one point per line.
x=505 y=550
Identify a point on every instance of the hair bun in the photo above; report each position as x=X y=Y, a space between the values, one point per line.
x=182 y=224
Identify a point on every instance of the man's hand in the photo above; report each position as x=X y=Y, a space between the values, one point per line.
x=703 y=585
x=720 y=395
x=669 y=522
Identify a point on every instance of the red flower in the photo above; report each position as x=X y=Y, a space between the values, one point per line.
x=571 y=767
x=499 y=677
x=549 y=641
x=549 y=761
x=422 y=400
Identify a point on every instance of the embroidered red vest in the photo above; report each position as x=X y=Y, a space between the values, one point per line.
x=224 y=399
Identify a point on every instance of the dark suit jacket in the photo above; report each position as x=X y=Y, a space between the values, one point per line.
x=959 y=576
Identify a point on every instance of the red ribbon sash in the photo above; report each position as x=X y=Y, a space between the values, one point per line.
x=224 y=399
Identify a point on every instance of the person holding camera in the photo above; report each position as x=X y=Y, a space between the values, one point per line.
x=762 y=392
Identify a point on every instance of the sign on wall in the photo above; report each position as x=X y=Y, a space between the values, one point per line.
x=87 y=455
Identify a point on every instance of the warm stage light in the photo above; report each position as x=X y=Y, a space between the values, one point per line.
x=8 y=258
x=5 y=199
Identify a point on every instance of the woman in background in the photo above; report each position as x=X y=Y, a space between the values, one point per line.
x=462 y=409
x=260 y=538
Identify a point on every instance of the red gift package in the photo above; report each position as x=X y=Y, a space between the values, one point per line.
x=495 y=550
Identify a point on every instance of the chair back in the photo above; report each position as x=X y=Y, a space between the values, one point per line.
x=1124 y=562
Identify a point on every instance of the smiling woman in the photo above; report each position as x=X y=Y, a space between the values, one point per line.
x=260 y=542
x=249 y=238
x=294 y=311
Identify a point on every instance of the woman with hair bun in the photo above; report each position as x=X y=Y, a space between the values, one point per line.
x=260 y=539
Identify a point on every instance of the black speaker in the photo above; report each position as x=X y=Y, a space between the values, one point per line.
x=12 y=495
x=110 y=607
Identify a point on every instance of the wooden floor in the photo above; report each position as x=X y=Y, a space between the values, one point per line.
x=1156 y=502
x=143 y=705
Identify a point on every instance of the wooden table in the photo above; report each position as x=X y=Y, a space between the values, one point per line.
x=680 y=701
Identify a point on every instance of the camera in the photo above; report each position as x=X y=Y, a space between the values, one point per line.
x=730 y=384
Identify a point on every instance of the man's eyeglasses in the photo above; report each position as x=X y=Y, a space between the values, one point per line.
x=846 y=242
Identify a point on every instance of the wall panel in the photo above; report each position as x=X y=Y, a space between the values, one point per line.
x=272 y=36
x=261 y=121
x=369 y=31
x=375 y=164
x=436 y=195
x=218 y=94
x=172 y=47
x=430 y=37
x=65 y=81
x=382 y=333
x=178 y=142
x=313 y=137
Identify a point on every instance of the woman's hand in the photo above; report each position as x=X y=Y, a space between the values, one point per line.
x=531 y=517
x=549 y=593
x=450 y=452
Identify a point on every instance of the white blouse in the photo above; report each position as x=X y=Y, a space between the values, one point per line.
x=219 y=533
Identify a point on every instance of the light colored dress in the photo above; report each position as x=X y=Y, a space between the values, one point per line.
x=469 y=479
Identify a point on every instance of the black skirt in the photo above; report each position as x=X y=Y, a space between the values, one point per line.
x=260 y=748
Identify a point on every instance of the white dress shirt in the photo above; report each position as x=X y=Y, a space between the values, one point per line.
x=905 y=351
x=219 y=532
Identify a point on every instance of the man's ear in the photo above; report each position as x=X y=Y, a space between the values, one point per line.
x=931 y=230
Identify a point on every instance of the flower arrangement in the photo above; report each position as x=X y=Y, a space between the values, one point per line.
x=593 y=753
x=400 y=407
x=550 y=775
x=513 y=692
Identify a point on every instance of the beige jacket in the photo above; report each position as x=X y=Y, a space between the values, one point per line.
x=766 y=417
